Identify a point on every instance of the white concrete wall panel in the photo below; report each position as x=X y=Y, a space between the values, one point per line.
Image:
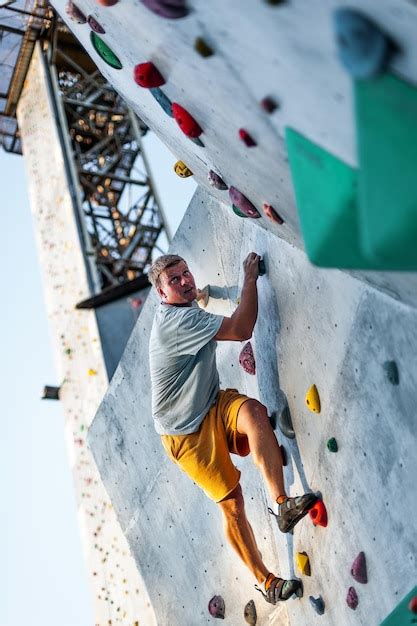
x=286 y=51
x=314 y=326
x=119 y=595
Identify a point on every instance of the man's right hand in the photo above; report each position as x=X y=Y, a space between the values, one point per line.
x=251 y=266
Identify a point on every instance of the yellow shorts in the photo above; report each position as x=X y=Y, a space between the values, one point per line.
x=205 y=455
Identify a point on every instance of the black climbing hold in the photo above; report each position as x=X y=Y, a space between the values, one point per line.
x=285 y=423
x=392 y=372
x=202 y=47
x=332 y=445
x=284 y=456
x=163 y=100
x=268 y=104
x=249 y=613
x=217 y=607
x=364 y=49
x=317 y=604
x=105 y=52
x=262 y=268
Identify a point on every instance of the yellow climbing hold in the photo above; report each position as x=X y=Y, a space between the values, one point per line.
x=303 y=563
x=182 y=170
x=313 y=399
x=92 y=372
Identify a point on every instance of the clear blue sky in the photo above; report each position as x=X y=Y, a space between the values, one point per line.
x=43 y=576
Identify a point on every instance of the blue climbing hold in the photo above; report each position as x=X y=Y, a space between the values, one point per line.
x=317 y=604
x=163 y=100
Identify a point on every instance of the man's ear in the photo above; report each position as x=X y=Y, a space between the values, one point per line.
x=161 y=292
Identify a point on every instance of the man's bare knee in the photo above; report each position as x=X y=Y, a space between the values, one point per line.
x=252 y=416
x=233 y=505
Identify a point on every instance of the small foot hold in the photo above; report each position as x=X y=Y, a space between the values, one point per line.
x=185 y=121
x=182 y=170
x=247 y=139
x=249 y=613
x=285 y=423
x=352 y=599
x=202 y=47
x=332 y=445
x=317 y=604
x=268 y=104
x=313 y=399
x=163 y=100
x=318 y=514
x=217 y=607
x=391 y=370
x=247 y=359
x=303 y=563
x=284 y=456
x=358 y=569
x=262 y=267
x=271 y=214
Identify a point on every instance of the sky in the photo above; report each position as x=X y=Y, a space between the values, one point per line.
x=43 y=576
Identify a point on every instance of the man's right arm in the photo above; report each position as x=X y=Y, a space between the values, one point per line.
x=240 y=325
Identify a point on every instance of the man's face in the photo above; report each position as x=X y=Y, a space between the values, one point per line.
x=177 y=285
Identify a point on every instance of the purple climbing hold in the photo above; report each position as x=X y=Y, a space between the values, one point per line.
x=171 y=9
x=95 y=26
x=216 y=181
x=358 y=569
x=243 y=203
x=352 y=599
x=268 y=104
x=217 y=607
x=247 y=359
x=74 y=13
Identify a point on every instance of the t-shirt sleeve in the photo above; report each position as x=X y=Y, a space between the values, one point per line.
x=195 y=329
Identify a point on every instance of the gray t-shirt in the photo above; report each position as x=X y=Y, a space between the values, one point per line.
x=184 y=377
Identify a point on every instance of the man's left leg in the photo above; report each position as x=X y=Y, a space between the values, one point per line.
x=253 y=421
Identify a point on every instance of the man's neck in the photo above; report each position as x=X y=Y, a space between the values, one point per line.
x=176 y=304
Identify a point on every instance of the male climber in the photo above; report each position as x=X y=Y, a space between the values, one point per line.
x=200 y=425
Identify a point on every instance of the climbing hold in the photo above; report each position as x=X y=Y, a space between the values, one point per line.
x=303 y=563
x=147 y=75
x=202 y=47
x=163 y=100
x=352 y=599
x=283 y=456
x=105 y=52
x=237 y=211
x=268 y=104
x=261 y=267
x=276 y=2
x=318 y=514
x=74 y=13
x=197 y=141
x=242 y=203
x=285 y=423
x=391 y=370
x=246 y=138
x=313 y=399
x=135 y=303
x=216 y=181
x=364 y=49
x=171 y=9
x=272 y=214
x=217 y=607
x=358 y=569
x=247 y=359
x=185 y=121
x=332 y=445
x=412 y=605
x=317 y=604
x=107 y=3
x=92 y=372
x=95 y=26
x=182 y=170
x=249 y=613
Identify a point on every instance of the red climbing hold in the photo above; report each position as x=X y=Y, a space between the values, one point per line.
x=217 y=607
x=318 y=514
x=246 y=138
x=412 y=605
x=242 y=203
x=352 y=599
x=247 y=359
x=268 y=104
x=272 y=214
x=186 y=121
x=358 y=569
x=147 y=75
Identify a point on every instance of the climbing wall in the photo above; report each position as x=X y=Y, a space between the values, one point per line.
x=119 y=595
x=252 y=92
x=315 y=327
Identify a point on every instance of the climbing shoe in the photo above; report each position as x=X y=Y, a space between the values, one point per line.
x=276 y=590
x=289 y=512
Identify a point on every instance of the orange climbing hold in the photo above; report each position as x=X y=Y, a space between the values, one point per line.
x=318 y=514
x=107 y=3
x=246 y=138
x=272 y=214
x=185 y=121
x=147 y=75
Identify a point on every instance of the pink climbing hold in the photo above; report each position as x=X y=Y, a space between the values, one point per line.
x=147 y=75
x=170 y=9
x=352 y=599
x=358 y=569
x=95 y=26
x=246 y=138
x=242 y=203
x=216 y=181
x=268 y=104
x=74 y=13
x=217 y=607
x=272 y=214
x=186 y=121
x=247 y=359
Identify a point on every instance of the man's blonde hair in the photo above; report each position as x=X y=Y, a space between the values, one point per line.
x=161 y=264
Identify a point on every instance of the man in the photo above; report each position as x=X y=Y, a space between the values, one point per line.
x=200 y=425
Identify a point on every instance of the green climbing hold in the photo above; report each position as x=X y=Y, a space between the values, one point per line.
x=237 y=211
x=332 y=445
x=104 y=52
x=391 y=370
